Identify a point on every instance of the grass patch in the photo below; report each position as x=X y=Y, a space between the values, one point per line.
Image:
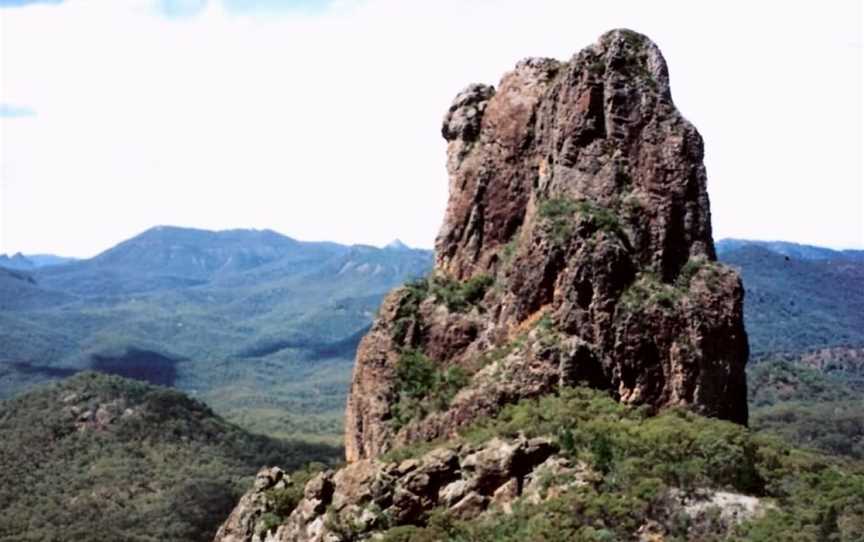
x=710 y=271
x=559 y=217
x=408 y=311
x=457 y=296
x=460 y=296
x=423 y=387
x=649 y=291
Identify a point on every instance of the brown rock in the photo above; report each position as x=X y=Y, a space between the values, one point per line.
x=241 y=524
x=580 y=190
x=506 y=494
x=472 y=505
x=267 y=478
x=453 y=492
x=490 y=467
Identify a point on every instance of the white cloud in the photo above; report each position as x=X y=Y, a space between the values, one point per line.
x=327 y=126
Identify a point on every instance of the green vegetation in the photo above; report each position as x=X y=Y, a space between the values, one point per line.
x=709 y=271
x=508 y=252
x=547 y=330
x=776 y=381
x=649 y=291
x=806 y=408
x=641 y=458
x=834 y=427
x=408 y=312
x=284 y=500
x=460 y=296
x=596 y=67
x=559 y=215
x=457 y=296
x=690 y=270
x=423 y=387
x=636 y=60
x=102 y=458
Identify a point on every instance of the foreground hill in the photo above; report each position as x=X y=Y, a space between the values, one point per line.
x=242 y=317
x=102 y=458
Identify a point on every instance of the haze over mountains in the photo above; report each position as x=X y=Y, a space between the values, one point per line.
x=31 y=261
x=198 y=310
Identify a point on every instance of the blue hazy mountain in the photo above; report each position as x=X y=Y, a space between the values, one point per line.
x=235 y=314
x=798 y=297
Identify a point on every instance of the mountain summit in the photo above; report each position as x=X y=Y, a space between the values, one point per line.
x=576 y=245
x=576 y=249
x=396 y=244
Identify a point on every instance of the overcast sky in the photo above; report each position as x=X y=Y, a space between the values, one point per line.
x=321 y=119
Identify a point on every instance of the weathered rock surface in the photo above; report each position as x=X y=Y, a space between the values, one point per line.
x=245 y=522
x=576 y=248
x=710 y=514
x=371 y=495
x=578 y=196
x=464 y=481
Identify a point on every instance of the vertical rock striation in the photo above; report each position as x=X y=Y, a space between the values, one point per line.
x=576 y=247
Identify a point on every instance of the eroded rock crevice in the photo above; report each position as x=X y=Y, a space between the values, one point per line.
x=578 y=189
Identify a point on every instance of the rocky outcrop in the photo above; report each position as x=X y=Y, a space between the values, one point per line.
x=372 y=495
x=464 y=482
x=576 y=247
x=248 y=520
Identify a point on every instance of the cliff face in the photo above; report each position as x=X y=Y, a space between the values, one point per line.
x=576 y=247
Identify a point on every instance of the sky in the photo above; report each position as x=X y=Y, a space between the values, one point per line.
x=321 y=119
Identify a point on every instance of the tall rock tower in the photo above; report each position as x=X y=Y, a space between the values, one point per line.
x=576 y=248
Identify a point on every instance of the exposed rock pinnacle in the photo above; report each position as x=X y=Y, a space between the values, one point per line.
x=578 y=202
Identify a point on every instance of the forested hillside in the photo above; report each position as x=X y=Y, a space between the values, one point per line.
x=259 y=324
x=102 y=458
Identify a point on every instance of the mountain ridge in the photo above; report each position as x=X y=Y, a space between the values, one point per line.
x=791 y=249
x=796 y=303
x=201 y=305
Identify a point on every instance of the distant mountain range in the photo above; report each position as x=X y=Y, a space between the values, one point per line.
x=798 y=298
x=793 y=250
x=234 y=314
x=31 y=261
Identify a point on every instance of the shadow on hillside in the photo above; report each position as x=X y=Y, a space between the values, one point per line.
x=346 y=348
x=144 y=365
x=312 y=350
